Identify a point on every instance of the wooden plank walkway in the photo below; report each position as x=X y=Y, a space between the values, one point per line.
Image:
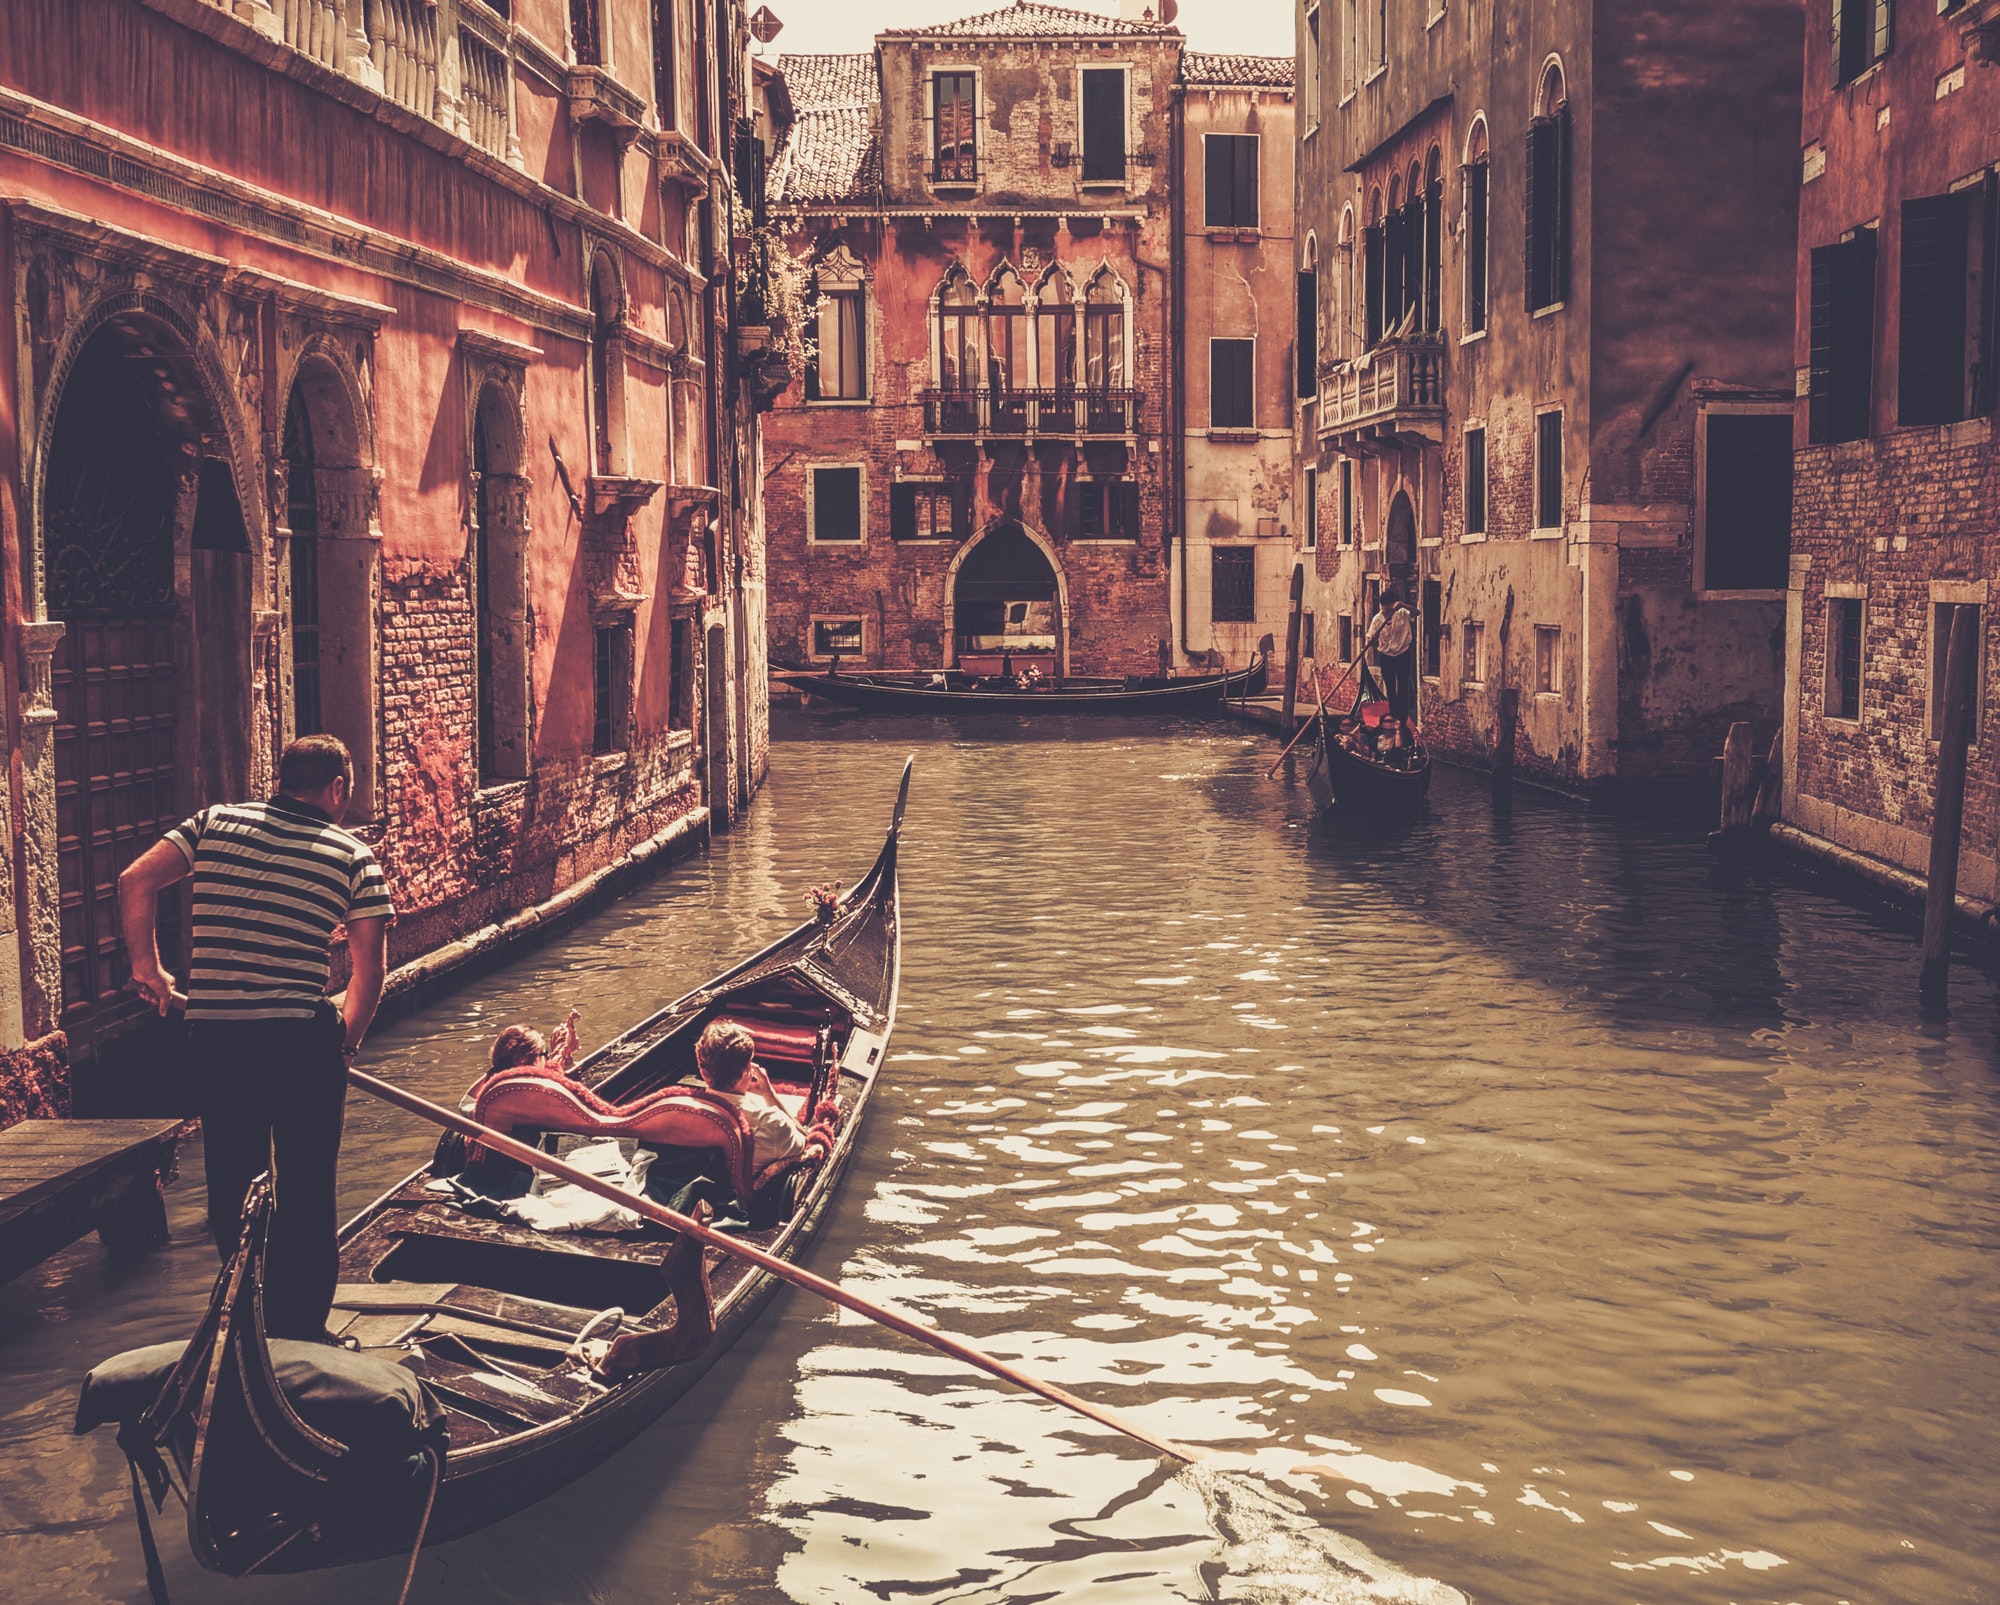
x=62 y=1178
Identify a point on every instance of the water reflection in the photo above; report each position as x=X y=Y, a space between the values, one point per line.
x=1521 y=1202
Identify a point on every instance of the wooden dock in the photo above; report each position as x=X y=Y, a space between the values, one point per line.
x=62 y=1178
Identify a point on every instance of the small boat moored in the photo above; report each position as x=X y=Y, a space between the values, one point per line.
x=948 y=691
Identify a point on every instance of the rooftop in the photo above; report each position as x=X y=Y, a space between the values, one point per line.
x=1272 y=72
x=1029 y=19
x=833 y=150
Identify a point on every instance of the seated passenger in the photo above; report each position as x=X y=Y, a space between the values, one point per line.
x=521 y=1045
x=724 y=1056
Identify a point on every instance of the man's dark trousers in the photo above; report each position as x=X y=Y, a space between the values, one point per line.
x=273 y=1094
x=1399 y=676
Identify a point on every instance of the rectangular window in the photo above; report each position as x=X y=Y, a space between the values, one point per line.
x=1311 y=69
x=1843 y=656
x=1431 y=611
x=1548 y=659
x=1232 y=374
x=1862 y=33
x=1104 y=509
x=1474 y=669
x=680 y=675
x=1475 y=481
x=955 y=121
x=1308 y=334
x=1946 y=255
x=1232 y=584
x=1477 y=177
x=1548 y=470
x=1842 y=340
x=1374 y=261
x=1745 y=496
x=836 y=511
x=1348 y=513
x=611 y=678
x=1230 y=191
x=928 y=510
x=839 y=370
x=1308 y=637
x=1344 y=636
x=1546 y=204
x=1941 y=620
x=1104 y=125
x=1312 y=509
x=836 y=638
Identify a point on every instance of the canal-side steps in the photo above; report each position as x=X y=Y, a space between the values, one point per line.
x=62 y=1178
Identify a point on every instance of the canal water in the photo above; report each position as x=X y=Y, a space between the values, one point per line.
x=1528 y=1210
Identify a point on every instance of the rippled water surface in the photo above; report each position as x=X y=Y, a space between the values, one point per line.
x=1528 y=1206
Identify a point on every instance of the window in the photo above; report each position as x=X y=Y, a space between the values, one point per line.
x=1843 y=656
x=1861 y=36
x=955 y=120
x=611 y=680
x=1431 y=288
x=1105 y=509
x=1344 y=637
x=1347 y=508
x=1374 y=253
x=1473 y=635
x=302 y=516
x=606 y=367
x=1232 y=585
x=498 y=503
x=958 y=333
x=836 y=504
x=1230 y=187
x=1745 y=501
x=929 y=510
x=1006 y=332
x=1232 y=373
x=1104 y=125
x=1843 y=339
x=1547 y=210
x=1549 y=471
x=1477 y=178
x=1941 y=622
x=1548 y=659
x=1311 y=537
x=1308 y=636
x=1104 y=333
x=838 y=370
x=1475 y=481
x=586 y=33
x=836 y=638
x=1431 y=614
x=1308 y=333
x=1309 y=69
x=1947 y=273
x=680 y=673
x=1055 y=331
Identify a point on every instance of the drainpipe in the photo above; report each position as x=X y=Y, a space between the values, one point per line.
x=1176 y=400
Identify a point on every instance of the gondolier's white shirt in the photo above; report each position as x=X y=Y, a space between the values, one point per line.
x=1398 y=634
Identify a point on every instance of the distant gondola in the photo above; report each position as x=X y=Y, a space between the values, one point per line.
x=491 y=1316
x=889 y=693
x=1350 y=778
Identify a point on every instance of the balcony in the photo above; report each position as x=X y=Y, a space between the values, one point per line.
x=1391 y=395
x=1024 y=414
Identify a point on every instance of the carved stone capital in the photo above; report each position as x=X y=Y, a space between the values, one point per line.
x=39 y=640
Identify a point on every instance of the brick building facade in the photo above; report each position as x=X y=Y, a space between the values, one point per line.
x=1550 y=368
x=367 y=374
x=1896 y=499
x=981 y=462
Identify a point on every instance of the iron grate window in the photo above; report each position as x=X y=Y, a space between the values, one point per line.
x=1232 y=584
x=955 y=122
x=1843 y=657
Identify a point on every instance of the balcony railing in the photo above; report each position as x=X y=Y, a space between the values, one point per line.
x=1031 y=412
x=313 y=28
x=1395 y=389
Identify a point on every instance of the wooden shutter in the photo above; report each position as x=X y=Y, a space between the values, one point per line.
x=1125 y=509
x=1819 y=404
x=1476 y=178
x=1371 y=275
x=1308 y=331
x=1246 y=180
x=1559 y=242
x=1931 y=346
x=1989 y=294
x=1103 y=124
x=1392 y=272
x=903 y=510
x=1534 y=200
x=1219 y=178
x=1836 y=40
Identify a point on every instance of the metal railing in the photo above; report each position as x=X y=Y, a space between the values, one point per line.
x=1031 y=412
x=1396 y=378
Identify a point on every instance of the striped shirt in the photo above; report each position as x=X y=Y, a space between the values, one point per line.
x=271 y=881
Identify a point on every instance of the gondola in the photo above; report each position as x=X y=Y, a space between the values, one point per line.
x=504 y=1326
x=1344 y=776
x=891 y=693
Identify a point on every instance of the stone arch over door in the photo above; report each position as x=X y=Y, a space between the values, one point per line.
x=498 y=529
x=330 y=563
x=147 y=561
x=1016 y=558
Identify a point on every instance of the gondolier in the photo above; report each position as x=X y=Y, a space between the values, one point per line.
x=271 y=883
x=1395 y=633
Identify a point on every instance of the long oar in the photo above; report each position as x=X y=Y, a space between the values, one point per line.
x=660 y=1215
x=1300 y=735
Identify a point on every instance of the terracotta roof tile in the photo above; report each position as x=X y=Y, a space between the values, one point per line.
x=1027 y=19
x=833 y=150
x=1275 y=72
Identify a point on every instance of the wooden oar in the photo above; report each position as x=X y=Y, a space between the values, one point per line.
x=1358 y=657
x=784 y=1270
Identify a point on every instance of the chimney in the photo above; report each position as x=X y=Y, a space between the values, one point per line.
x=1141 y=11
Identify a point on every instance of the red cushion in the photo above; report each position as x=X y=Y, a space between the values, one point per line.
x=777 y=1041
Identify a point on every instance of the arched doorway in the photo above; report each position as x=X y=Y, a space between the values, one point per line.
x=151 y=680
x=1007 y=605
x=1400 y=542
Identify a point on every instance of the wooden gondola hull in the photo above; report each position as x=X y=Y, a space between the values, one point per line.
x=883 y=694
x=1346 y=779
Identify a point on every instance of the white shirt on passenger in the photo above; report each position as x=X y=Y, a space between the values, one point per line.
x=774 y=1133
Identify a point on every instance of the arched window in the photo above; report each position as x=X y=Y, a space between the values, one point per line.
x=1306 y=336
x=1546 y=197
x=499 y=508
x=1006 y=332
x=1476 y=181
x=1104 y=332
x=606 y=392
x=1434 y=243
x=1374 y=264
x=1055 y=331
x=302 y=516
x=839 y=369
x=1342 y=313
x=958 y=333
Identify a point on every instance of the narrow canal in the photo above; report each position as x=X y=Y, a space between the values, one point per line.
x=1539 y=1208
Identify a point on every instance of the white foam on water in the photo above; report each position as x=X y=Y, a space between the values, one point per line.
x=1273 y=1553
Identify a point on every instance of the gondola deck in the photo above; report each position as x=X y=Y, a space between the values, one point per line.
x=1344 y=777
x=889 y=693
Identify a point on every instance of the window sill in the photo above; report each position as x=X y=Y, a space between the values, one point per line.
x=1232 y=436
x=1472 y=685
x=492 y=793
x=1551 y=696
x=1862 y=76
x=1433 y=20
x=1105 y=540
x=1473 y=537
x=1218 y=235
x=851 y=546
x=1740 y=596
x=1548 y=311
x=1344 y=99
x=1473 y=338
x=1431 y=679
x=923 y=540
x=1381 y=71
x=1852 y=723
x=604 y=763
x=1425 y=541
x=954 y=187
x=1546 y=534
x=815 y=403
x=1101 y=183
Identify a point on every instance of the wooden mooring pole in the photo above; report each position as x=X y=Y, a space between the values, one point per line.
x=1503 y=745
x=1961 y=698
x=1292 y=645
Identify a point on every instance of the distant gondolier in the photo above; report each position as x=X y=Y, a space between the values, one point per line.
x=1395 y=634
x=271 y=883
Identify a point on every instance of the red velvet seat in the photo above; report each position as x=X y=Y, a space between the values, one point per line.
x=778 y=1042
